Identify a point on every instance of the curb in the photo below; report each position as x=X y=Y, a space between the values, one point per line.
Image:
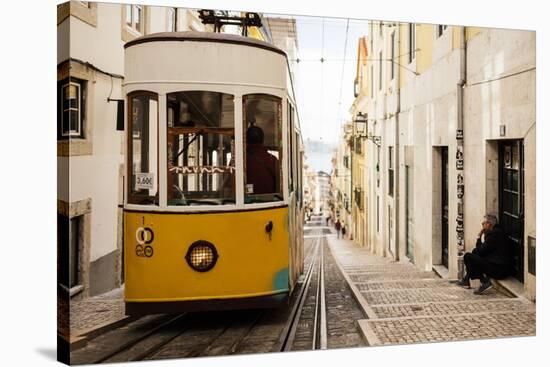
x=367 y=310
x=367 y=333
x=84 y=336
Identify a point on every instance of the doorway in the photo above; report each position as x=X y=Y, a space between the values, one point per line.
x=409 y=209
x=511 y=198
x=445 y=206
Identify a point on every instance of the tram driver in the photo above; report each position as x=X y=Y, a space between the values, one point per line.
x=261 y=167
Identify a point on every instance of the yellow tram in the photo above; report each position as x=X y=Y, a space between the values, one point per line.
x=213 y=192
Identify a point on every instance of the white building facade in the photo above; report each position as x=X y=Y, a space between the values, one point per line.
x=90 y=147
x=454 y=109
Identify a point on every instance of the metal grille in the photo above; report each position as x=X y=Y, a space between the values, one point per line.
x=202 y=256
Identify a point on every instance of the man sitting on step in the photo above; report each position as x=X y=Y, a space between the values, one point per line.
x=492 y=257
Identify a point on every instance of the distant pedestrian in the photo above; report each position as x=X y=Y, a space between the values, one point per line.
x=338 y=227
x=328 y=220
x=343 y=231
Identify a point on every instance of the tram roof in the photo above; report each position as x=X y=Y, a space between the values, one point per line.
x=204 y=37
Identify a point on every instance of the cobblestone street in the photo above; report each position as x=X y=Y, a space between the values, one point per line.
x=406 y=305
x=95 y=312
x=370 y=301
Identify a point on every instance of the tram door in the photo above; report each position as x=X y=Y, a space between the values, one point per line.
x=409 y=211
x=511 y=197
x=445 y=206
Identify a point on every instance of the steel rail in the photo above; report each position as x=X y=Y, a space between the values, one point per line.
x=288 y=333
x=129 y=344
x=323 y=335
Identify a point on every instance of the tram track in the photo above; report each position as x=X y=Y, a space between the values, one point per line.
x=112 y=355
x=305 y=331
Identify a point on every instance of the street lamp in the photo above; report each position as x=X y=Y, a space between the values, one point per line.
x=361 y=127
x=361 y=122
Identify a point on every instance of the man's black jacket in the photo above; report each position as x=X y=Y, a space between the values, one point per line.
x=497 y=247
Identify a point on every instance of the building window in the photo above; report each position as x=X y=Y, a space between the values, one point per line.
x=440 y=29
x=134 y=17
x=378 y=166
x=390 y=171
x=171 y=19
x=71 y=107
x=372 y=81
x=380 y=71
x=69 y=238
x=262 y=140
x=201 y=148
x=358 y=194
x=358 y=145
x=392 y=51
x=412 y=41
x=371 y=35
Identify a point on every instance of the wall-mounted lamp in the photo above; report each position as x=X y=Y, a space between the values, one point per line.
x=361 y=128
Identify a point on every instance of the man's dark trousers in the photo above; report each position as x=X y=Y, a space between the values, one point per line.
x=477 y=266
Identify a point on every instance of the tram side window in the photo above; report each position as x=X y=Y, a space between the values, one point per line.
x=143 y=148
x=200 y=147
x=298 y=158
x=290 y=119
x=263 y=148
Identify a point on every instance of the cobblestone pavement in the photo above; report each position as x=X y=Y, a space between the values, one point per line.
x=342 y=309
x=406 y=305
x=95 y=312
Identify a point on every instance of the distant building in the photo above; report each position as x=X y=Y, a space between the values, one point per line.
x=309 y=188
x=322 y=196
x=358 y=148
x=341 y=180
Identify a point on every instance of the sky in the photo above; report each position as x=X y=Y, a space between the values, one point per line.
x=325 y=89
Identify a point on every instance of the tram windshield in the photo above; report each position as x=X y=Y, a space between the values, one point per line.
x=142 y=148
x=200 y=147
x=263 y=148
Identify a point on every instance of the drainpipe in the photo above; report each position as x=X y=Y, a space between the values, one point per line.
x=460 y=154
x=396 y=151
x=351 y=198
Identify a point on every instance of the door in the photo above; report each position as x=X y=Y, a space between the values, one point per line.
x=445 y=206
x=409 y=212
x=511 y=198
x=390 y=233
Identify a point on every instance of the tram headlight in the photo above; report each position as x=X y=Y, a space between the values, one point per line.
x=201 y=256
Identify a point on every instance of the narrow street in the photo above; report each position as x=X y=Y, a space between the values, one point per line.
x=346 y=297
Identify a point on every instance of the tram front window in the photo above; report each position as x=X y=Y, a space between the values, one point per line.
x=142 y=148
x=263 y=148
x=200 y=147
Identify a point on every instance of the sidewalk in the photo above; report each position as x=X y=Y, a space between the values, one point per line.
x=96 y=313
x=405 y=305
